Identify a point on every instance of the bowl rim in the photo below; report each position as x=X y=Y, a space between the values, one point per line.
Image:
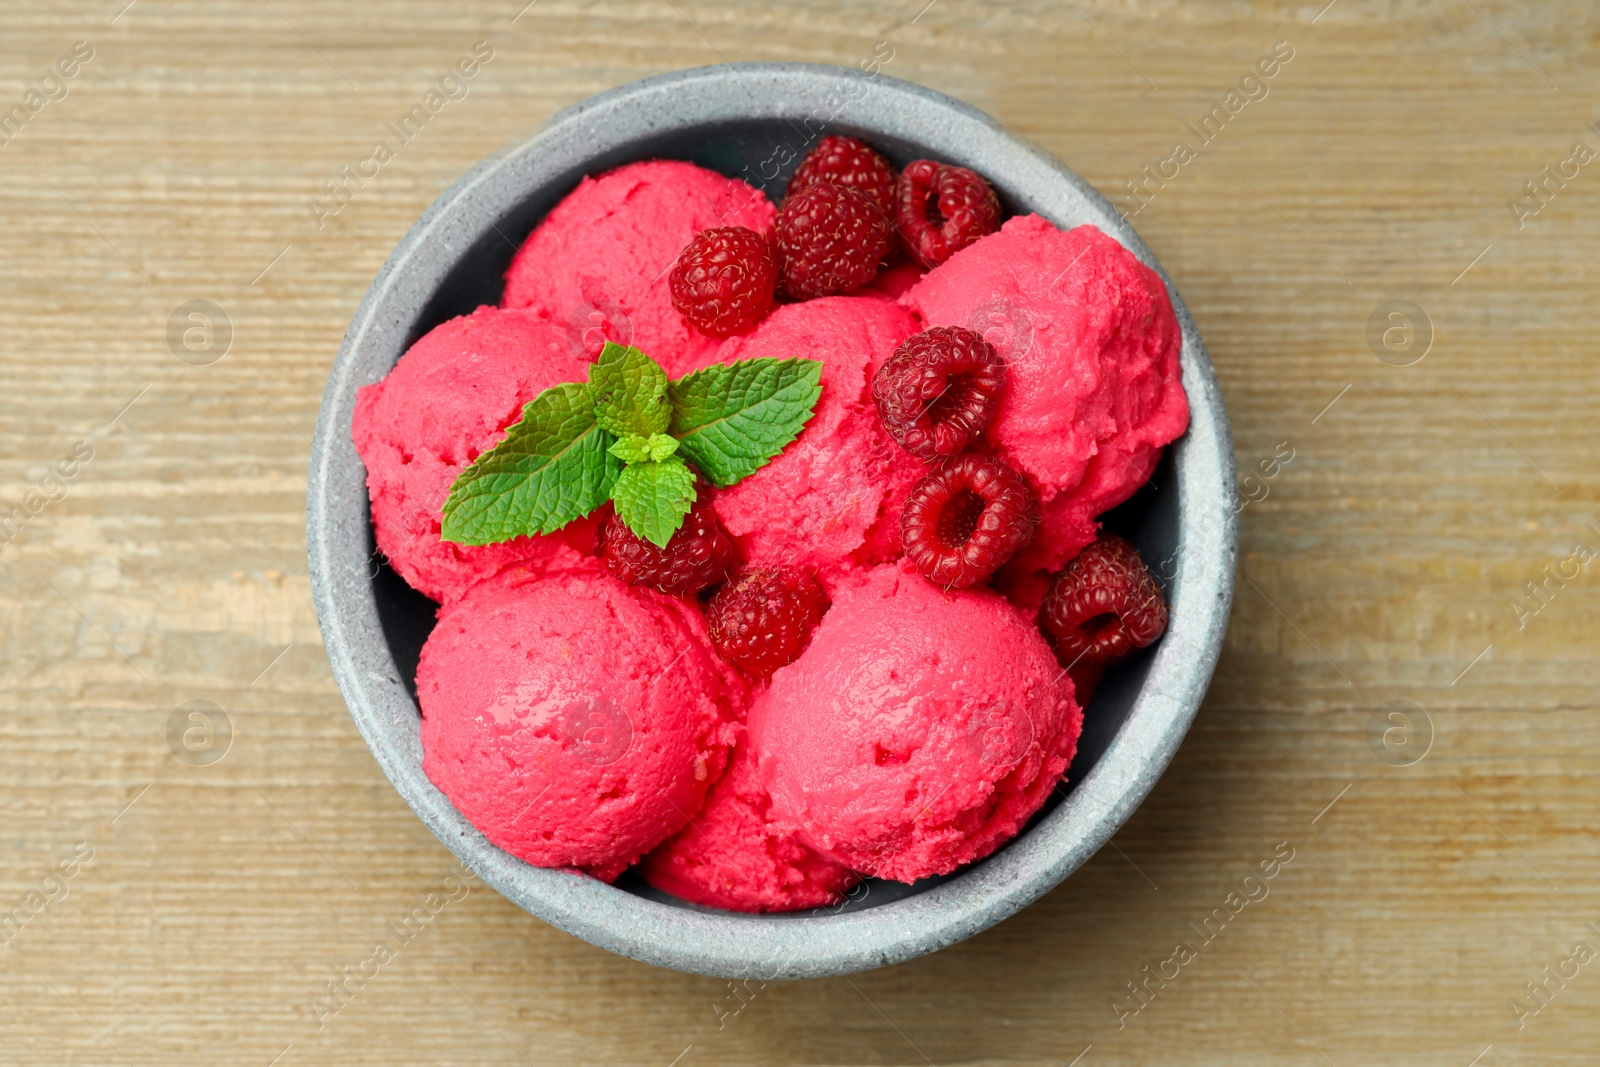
x=727 y=944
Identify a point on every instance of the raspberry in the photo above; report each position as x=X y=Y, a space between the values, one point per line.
x=831 y=239
x=763 y=619
x=723 y=281
x=942 y=209
x=1104 y=605
x=698 y=555
x=847 y=161
x=965 y=518
x=939 y=390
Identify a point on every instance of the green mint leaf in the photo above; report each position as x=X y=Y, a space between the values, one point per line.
x=631 y=449
x=636 y=449
x=630 y=392
x=553 y=466
x=732 y=418
x=662 y=445
x=653 y=497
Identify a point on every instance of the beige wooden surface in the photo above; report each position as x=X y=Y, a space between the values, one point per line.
x=221 y=898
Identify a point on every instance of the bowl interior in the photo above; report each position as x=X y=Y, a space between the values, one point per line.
x=742 y=149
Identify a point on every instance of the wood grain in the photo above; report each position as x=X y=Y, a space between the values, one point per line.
x=1383 y=562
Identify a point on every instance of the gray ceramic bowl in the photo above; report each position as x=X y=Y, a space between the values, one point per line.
x=755 y=120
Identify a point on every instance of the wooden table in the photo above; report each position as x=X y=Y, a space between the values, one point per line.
x=1384 y=564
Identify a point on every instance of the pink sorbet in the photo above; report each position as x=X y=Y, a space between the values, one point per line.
x=919 y=730
x=450 y=399
x=732 y=856
x=576 y=720
x=832 y=498
x=597 y=265
x=1091 y=347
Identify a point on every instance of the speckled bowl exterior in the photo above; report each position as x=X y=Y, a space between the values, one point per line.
x=755 y=121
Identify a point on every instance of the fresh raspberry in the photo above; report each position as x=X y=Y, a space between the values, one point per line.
x=965 y=518
x=831 y=239
x=698 y=555
x=942 y=209
x=723 y=281
x=1104 y=605
x=847 y=161
x=763 y=619
x=939 y=390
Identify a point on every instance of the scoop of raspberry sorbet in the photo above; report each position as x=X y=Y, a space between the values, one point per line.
x=919 y=730
x=831 y=499
x=1093 y=387
x=598 y=266
x=449 y=399
x=574 y=719
x=732 y=856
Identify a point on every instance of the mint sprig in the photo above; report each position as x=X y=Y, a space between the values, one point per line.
x=629 y=435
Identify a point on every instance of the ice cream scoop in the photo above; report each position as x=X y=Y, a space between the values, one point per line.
x=597 y=267
x=919 y=730
x=732 y=856
x=832 y=499
x=449 y=399
x=1091 y=348
x=575 y=720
